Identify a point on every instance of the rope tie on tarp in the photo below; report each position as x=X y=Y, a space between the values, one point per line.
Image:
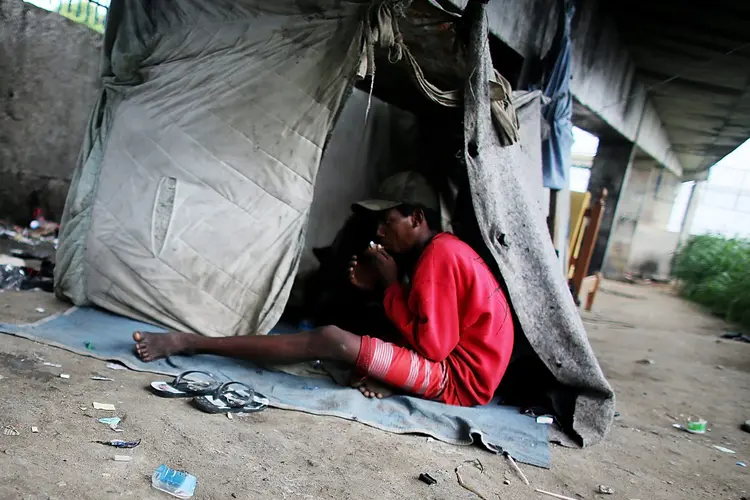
x=382 y=31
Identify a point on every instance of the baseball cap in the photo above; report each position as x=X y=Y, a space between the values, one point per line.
x=403 y=188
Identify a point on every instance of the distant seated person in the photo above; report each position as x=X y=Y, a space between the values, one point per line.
x=453 y=318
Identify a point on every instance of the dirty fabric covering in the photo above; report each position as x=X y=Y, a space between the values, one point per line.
x=194 y=184
x=556 y=148
x=517 y=237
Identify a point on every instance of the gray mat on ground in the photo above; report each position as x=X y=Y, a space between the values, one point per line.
x=495 y=427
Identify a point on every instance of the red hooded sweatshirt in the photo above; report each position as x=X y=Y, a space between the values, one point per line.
x=456 y=311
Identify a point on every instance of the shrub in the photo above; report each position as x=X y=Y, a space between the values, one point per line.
x=715 y=271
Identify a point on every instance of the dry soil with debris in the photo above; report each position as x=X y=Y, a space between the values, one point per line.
x=288 y=455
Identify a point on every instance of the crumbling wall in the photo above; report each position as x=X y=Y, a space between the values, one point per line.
x=49 y=69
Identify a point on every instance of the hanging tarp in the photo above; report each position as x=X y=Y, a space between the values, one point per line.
x=195 y=181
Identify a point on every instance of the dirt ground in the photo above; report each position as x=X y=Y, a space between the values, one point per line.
x=287 y=455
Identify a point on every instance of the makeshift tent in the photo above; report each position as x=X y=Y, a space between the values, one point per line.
x=195 y=182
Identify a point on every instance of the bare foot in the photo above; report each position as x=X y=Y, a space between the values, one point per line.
x=151 y=346
x=372 y=388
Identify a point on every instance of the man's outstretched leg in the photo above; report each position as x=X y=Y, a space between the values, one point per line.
x=328 y=343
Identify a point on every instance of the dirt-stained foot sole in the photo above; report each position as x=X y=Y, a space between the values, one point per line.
x=373 y=389
x=153 y=346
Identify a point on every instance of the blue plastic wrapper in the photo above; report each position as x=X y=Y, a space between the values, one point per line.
x=177 y=483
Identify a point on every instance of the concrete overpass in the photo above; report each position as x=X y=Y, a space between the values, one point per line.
x=664 y=85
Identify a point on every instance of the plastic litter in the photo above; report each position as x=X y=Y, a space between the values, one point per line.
x=34 y=429
x=53 y=365
x=64 y=375
x=545 y=420
x=746 y=426
x=177 y=483
x=725 y=450
x=103 y=379
x=9 y=430
x=645 y=361
x=741 y=464
x=696 y=426
x=119 y=443
x=104 y=406
x=115 y=366
x=11 y=277
x=110 y=420
x=123 y=458
x=605 y=490
x=89 y=346
x=39 y=309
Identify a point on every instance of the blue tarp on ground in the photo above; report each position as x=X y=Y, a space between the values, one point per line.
x=495 y=427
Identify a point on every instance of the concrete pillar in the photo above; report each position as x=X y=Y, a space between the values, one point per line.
x=693 y=203
x=609 y=171
x=635 y=196
x=652 y=245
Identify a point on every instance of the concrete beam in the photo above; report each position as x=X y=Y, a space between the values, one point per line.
x=604 y=76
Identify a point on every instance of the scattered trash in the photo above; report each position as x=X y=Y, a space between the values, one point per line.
x=39 y=309
x=741 y=464
x=103 y=379
x=427 y=479
x=175 y=482
x=34 y=429
x=9 y=430
x=123 y=458
x=11 y=277
x=89 y=346
x=229 y=416
x=739 y=336
x=64 y=375
x=745 y=426
x=506 y=482
x=678 y=426
x=645 y=361
x=53 y=365
x=116 y=429
x=115 y=366
x=725 y=450
x=516 y=468
x=696 y=426
x=430 y=439
x=605 y=490
x=545 y=420
x=617 y=414
x=119 y=443
x=478 y=465
x=110 y=420
x=104 y=406
x=553 y=495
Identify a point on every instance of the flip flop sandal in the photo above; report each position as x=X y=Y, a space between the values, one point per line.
x=181 y=387
x=239 y=399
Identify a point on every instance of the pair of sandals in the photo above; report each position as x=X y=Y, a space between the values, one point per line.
x=210 y=395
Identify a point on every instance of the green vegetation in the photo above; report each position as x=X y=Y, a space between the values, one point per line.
x=84 y=12
x=715 y=271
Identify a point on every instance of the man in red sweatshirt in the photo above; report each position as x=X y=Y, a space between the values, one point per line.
x=453 y=318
